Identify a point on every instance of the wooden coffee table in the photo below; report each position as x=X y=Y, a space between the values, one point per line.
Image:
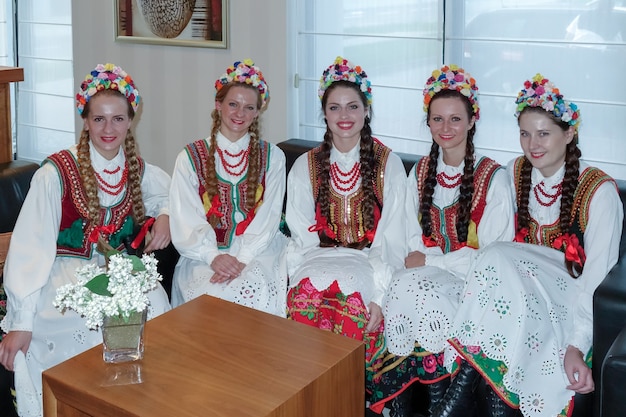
x=210 y=357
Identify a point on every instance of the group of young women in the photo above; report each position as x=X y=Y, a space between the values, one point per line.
x=466 y=274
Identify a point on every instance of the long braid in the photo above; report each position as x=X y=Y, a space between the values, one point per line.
x=210 y=170
x=254 y=167
x=323 y=194
x=90 y=185
x=368 y=164
x=134 y=179
x=523 y=194
x=428 y=190
x=569 y=186
x=466 y=191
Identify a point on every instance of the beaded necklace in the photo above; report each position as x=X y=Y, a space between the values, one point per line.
x=540 y=192
x=345 y=181
x=448 y=181
x=237 y=168
x=113 y=189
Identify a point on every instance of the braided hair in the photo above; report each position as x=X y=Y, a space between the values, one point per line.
x=88 y=175
x=569 y=185
x=367 y=160
x=466 y=189
x=254 y=167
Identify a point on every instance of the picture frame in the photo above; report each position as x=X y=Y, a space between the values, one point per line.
x=195 y=23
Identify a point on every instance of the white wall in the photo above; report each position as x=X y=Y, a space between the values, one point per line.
x=176 y=83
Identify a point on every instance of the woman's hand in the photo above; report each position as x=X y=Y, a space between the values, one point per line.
x=226 y=268
x=415 y=259
x=160 y=234
x=11 y=343
x=376 y=317
x=577 y=371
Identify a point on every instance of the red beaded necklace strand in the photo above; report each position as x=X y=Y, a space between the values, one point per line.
x=113 y=189
x=448 y=181
x=237 y=168
x=345 y=181
x=539 y=189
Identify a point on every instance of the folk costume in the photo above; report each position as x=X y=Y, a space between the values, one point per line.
x=248 y=231
x=336 y=268
x=252 y=237
x=50 y=243
x=54 y=236
x=421 y=302
x=521 y=308
x=525 y=302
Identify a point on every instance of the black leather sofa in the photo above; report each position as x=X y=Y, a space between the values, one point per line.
x=609 y=341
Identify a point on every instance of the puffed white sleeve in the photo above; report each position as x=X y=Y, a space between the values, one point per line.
x=263 y=228
x=388 y=250
x=497 y=224
x=155 y=190
x=300 y=213
x=602 y=237
x=192 y=235
x=32 y=250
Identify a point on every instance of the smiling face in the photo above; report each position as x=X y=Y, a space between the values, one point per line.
x=238 y=109
x=107 y=118
x=543 y=141
x=345 y=114
x=449 y=122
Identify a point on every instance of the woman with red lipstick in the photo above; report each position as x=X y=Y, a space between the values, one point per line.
x=226 y=201
x=345 y=204
x=523 y=330
x=457 y=201
x=82 y=202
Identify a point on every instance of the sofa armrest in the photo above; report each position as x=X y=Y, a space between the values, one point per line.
x=15 y=179
x=614 y=379
x=609 y=310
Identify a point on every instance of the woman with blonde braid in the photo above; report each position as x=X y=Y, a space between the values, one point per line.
x=81 y=201
x=345 y=204
x=226 y=200
x=523 y=329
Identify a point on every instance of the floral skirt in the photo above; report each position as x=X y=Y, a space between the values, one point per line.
x=330 y=309
x=513 y=320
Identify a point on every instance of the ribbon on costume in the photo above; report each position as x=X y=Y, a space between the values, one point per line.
x=95 y=233
x=570 y=245
x=142 y=233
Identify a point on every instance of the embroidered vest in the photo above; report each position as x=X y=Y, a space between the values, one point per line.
x=588 y=182
x=232 y=197
x=444 y=219
x=75 y=228
x=346 y=223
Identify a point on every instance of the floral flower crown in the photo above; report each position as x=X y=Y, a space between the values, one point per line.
x=541 y=92
x=451 y=77
x=342 y=69
x=247 y=73
x=107 y=77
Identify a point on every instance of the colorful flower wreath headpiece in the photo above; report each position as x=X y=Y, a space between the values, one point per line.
x=452 y=77
x=541 y=92
x=342 y=69
x=247 y=73
x=107 y=77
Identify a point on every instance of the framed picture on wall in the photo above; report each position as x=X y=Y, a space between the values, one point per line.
x=199 y=23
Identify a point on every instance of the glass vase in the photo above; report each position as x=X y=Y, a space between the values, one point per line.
x=122 y=337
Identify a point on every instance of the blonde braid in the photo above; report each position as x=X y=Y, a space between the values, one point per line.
x=210 y=170
x=254 y=167
x=134 y=179
x=90 y=185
